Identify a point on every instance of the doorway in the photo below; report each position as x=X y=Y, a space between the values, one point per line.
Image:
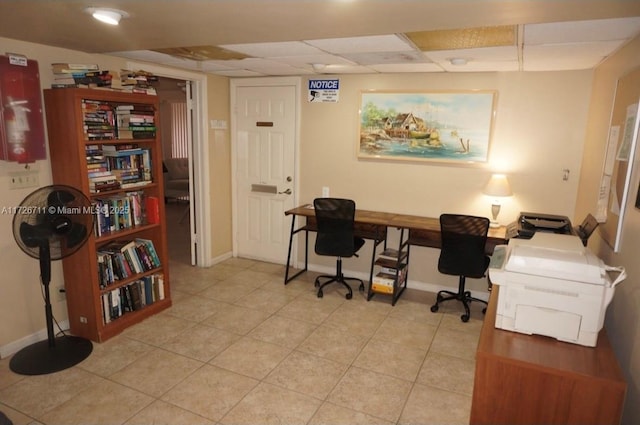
x=265 y=138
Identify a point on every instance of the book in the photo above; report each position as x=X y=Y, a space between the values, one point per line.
x=389 y=254
x=153 y=209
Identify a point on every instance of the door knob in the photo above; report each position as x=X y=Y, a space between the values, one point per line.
x=286 y=192
x=289 y=178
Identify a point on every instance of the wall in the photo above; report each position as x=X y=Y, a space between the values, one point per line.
x=539 y=130
x=623 y=317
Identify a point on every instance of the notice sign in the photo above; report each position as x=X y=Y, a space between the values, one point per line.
x=324 y=90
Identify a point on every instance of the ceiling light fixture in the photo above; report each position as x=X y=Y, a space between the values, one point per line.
x=108 y=16
x=458 y=61
x=318 y=66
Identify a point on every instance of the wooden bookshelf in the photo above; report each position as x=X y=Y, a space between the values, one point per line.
x=68 y=142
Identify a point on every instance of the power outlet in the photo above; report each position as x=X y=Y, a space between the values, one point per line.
x=61 y=293
x=325 y=192
x=23 y=179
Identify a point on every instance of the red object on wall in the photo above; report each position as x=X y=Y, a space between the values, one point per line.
x=21 y=122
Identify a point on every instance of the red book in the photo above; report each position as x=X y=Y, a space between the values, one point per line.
x=153 y=210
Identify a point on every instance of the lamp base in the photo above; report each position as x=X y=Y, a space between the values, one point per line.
x=494 y=224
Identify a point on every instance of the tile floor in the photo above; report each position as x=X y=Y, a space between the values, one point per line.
x=240 y=347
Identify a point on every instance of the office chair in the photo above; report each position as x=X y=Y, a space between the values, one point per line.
x=586 y=228
x=462 y=254
x=335 y=237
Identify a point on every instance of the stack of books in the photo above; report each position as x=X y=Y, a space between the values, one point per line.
x=131 y=297
x=100 y=176
x=135 y=82
x=135 y=122
x=99 y=120
x=79 y=75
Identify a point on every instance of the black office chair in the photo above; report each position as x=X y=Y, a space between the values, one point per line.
x=335 y=237
x=586 y=228
x=462 y=254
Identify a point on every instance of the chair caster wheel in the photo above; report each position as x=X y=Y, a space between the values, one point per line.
x=464 y=318
x=361 y=287
x=434 y=308
x=320 y=294
x=484 y=310
x=349 y=296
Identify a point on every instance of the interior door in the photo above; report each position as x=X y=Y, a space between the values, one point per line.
x=264 y=168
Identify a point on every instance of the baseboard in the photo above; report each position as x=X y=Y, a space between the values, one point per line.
x=15 y=346
x=220 y=258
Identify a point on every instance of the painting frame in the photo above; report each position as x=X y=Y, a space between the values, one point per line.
x=442 y=126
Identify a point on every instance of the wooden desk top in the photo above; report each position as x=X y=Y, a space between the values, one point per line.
x=546 y=353
x=414 y=222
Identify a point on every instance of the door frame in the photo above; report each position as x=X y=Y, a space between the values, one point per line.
x=296 y=82
x=199 y=161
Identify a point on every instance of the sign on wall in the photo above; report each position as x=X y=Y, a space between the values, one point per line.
x=324 y=91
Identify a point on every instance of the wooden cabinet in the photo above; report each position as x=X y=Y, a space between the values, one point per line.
x=69 y=141
x=531 y=379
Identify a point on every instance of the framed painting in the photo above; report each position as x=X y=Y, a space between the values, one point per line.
x=451 y=126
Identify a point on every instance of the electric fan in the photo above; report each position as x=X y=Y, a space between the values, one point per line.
x=51 y=223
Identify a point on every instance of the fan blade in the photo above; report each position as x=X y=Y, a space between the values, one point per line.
x=32 y=235
x=76 y=235
x=60 y=197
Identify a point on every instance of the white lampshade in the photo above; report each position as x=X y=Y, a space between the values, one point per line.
x=498 y=186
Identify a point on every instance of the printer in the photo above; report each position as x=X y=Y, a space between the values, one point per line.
x=529 y=223
x=552 y=285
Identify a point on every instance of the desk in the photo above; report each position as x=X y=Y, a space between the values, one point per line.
x=372 y=225
x=531 y=379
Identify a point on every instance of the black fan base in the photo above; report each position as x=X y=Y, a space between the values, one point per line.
x=40 y=359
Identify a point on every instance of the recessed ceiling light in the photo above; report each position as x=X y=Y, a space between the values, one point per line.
x=108 y=16
x=458 y=61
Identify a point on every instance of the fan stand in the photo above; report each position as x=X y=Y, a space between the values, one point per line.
x=55 y=353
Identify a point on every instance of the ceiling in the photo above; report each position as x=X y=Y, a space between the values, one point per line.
x=241 y=38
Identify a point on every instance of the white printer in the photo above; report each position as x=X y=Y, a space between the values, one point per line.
x=552 y=285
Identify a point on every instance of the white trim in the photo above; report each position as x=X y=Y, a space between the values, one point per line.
x=200 y=158
x=296 y=82
x=17 y=345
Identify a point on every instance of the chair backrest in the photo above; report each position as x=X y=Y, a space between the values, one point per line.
x=335 y=220
x=463 y=245
x=586 y=228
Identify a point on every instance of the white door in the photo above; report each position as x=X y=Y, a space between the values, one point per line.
x=265 y=139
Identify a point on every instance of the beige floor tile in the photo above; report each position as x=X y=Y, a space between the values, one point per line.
x=428 y=405
x=379 y=395
x=194 y=308
x=36 y=395
x=236 y=319
x=162 y=413
x=269 y=268
x=113 y=355
x=210 y=391
x=406 y=332
x=158 y=329
x=7 y=376
x=17 y=418
x=333 y=344
x=201 y=342
x=250 y=277
x=312 y=310
x=455 y=343
x=448 y=373
x=104 y=402
x=307 y=374
x=416 y=311
x=157 y=372
x=282 y=331
x=228 y=290
x=331 y=414
x=268 y=404
x=251 y=357
x=263 y=299
x=356 y=319
x=397 y=360
x=451 y=319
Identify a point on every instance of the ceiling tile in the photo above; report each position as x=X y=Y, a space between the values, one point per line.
x=407 y=67
x=486 y=54
x=581 y=31
x=375 y=58
x=560 y=56
x=376 y=43
x=264 y=50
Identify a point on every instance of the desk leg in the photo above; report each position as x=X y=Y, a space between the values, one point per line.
x=377 y=241
x=288 y=279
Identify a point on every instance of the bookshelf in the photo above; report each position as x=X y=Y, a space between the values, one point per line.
x=105 y=144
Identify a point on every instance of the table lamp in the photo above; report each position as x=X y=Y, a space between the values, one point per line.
x=497 y=187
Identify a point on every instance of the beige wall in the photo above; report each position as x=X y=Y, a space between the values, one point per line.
x=539 y=130
x=623 y=317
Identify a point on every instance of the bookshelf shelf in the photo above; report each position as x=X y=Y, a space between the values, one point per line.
x=389 y=270
x=84 y=126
